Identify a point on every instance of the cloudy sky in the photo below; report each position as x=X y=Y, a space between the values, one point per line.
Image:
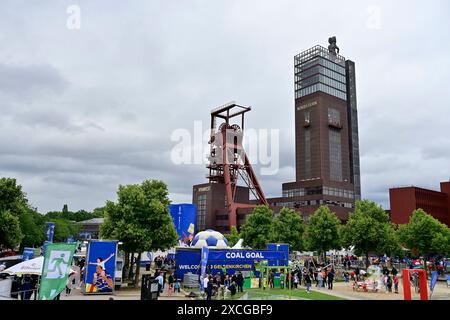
x=85 y=109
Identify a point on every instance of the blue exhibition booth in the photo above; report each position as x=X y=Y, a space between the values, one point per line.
x=188 y=259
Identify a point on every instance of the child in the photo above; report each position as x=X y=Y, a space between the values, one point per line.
x=177 y=286
x=396 y=283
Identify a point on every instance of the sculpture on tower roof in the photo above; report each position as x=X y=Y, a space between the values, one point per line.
x=333 y=48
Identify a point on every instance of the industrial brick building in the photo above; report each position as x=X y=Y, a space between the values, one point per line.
x=405 y=200
x=326 y=148
x=326 y=135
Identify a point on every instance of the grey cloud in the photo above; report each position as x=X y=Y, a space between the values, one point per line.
x=27 y=80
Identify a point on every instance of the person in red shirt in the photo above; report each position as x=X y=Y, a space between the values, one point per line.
x=396 y=283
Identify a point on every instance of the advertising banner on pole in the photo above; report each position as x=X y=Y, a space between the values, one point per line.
x=184 y=217
x=50 y=231
x=100 y=267
x=433 y=281
x=204 y=262
x=55 y=270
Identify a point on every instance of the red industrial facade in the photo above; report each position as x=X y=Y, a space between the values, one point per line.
x=407 y=199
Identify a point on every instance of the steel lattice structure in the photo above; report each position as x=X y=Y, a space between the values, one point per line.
x=228 y=161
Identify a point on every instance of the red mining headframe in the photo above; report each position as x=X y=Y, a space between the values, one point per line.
x=228 y=161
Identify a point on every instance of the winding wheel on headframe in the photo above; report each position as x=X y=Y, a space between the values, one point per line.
x=228 y=162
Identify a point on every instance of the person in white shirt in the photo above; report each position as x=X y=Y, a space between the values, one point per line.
x=160 y=283
x=205 y=283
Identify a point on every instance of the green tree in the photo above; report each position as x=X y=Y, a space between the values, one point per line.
x=323 y=230
x=13 y=204
x=425 y=235
x=289 y=228
x=10 y=233
x=12 y=198
x=140 y=219
x=232 y=237
x=369 y=230
x=64 y=229
x=258 y=229
x=32 y=226
x=98 y=212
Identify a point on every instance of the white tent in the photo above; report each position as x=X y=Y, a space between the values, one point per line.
x=33 y=266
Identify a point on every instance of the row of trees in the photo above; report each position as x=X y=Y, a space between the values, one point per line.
x=21 y=225
x=368 y=230
x=139 y=219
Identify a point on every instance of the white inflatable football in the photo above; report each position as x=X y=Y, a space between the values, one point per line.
x=209 y=238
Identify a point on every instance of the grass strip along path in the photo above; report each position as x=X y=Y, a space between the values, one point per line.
x=283 y=294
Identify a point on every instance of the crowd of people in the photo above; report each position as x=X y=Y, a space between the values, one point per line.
x=221 y=283
x=164 y=262
x=321 y=277
x=24 y=287
x=167 y=281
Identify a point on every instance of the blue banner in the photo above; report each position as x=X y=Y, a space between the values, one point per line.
x=184 y=217
x=28 y=254
x=100 y=266
x=204 y=262
x=50 y=231
x=433 y=280
x=232 y=260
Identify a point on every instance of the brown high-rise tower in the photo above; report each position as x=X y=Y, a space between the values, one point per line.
x=326 y=134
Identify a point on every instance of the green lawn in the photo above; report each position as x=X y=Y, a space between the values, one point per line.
x=283 y=294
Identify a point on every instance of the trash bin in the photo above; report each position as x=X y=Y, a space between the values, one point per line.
x=149 y=288
x=147 y=267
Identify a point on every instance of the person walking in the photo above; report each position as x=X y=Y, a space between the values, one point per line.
x=389 y=283
x=319 y=279
x=209 y=288
x=396 y=283
x=295 y=281
x=205 y=283
x=330 y=277
x=240 y=282
x=177 y=286
x=171 y=281
x=160 y=283
x=308 y=282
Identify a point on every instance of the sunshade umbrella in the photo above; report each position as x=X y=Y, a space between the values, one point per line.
x=33 y=266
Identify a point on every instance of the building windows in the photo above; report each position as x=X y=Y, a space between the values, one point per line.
x=300 y=192
x=334 y=117
x=335 y=155
x=307 y=116
x=201 y=212
x=320 y=87
x=336 y=192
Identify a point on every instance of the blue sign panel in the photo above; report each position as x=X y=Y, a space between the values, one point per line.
x=50 y=231
x=28 y=254
x=232 y=260
x=184 y=217
x=100 y=266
